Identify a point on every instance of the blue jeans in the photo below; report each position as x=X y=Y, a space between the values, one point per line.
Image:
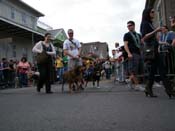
x=1 y=76
x=120 y=72
x=23 y=79
x=60 y=73
x=108 y=73
x=65 y=68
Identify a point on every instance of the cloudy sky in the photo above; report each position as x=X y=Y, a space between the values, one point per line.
x=92 y=20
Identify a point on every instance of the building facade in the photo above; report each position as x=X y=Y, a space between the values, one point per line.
x=20 y=13
x=164 y=10
x=20 y=30
x=98 y=49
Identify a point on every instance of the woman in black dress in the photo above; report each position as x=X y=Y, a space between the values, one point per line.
x=45 y=68
x=149 y=38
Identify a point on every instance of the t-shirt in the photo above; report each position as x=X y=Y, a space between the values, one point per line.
x=72 y=47
x=59 y=63
x=168 y=37
x=107 y=65
x=65 y=61
x=147 y=27
x=23 y=67
x=131 y=43
x=117 y=55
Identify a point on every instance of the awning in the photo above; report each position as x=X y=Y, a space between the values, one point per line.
x=9 y=29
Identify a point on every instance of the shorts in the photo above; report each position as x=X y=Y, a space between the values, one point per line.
x=134 y=63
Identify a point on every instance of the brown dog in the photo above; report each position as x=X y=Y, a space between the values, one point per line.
x=73 y=77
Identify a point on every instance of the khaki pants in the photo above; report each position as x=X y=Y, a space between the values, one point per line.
x=72 y=63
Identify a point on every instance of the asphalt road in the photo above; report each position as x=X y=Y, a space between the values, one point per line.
x=113 y=107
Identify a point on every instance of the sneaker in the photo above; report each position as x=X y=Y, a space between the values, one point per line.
x=127 y=80
x=156 y=84
x=139 y=88
x=98 y=86
x=38 y=89
x=117 y=79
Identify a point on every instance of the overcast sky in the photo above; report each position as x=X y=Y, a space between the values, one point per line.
x=92 y=20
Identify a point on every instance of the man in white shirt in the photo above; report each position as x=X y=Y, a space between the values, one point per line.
x=119 y=67
x=72 y=49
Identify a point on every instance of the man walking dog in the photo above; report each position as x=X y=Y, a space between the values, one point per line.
x=72 y=49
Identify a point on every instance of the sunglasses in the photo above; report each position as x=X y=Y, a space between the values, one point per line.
x=129 y=25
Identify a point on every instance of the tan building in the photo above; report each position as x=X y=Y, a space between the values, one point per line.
x=98 y=49
x=20 y=30
x=164 y=9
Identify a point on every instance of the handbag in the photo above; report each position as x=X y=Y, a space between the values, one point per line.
x=149 y=52
x=42 y=57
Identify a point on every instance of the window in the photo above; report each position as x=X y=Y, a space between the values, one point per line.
x=12 y=13
x=14 y=50
x=14 y=54
x=32 y=22
x=24 y=52
x=24 y=18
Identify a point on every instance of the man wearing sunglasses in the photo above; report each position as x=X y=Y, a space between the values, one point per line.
x=72 y=49
x=132 y=45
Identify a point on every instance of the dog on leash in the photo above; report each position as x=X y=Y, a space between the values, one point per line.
x=35 y=78
x=74 y=78
x=93 y=74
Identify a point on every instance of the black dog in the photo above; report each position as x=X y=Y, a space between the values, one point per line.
x=93 y=74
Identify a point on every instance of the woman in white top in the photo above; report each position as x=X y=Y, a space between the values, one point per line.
x=45 y=68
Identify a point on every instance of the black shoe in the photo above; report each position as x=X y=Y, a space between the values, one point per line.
x=170 y=93
x=148 y=89
x=150 y=94
x=73 y=88
x=38 y=89
x=60 y=82
x=81 y=87
x=49 y=92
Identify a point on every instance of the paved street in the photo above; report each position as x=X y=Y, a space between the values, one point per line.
x=113 y=107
